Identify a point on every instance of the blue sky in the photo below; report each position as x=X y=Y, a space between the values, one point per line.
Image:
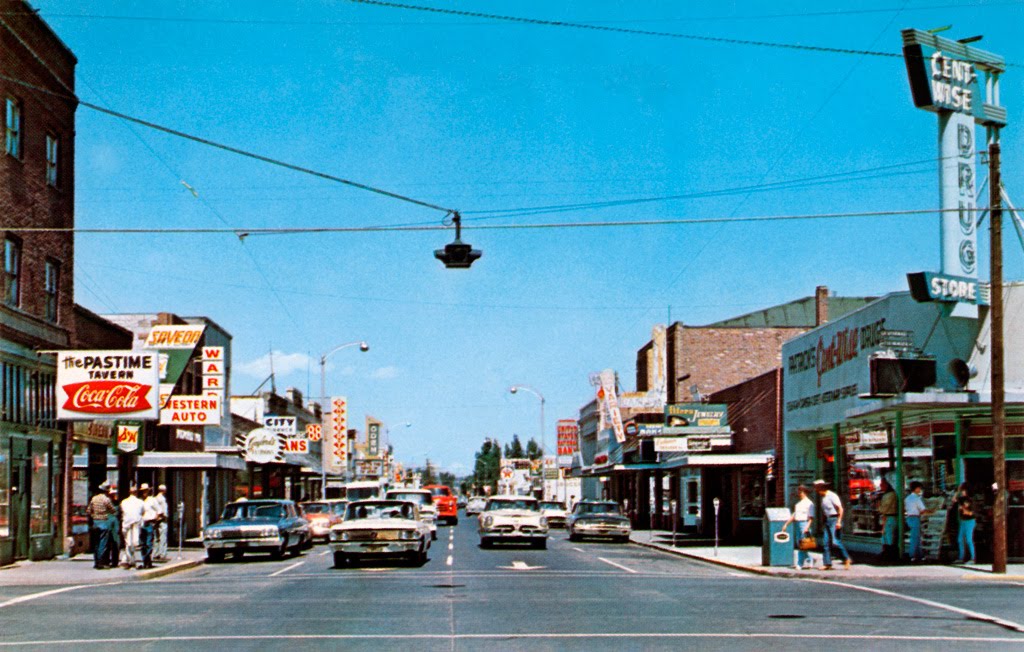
x=480 y=115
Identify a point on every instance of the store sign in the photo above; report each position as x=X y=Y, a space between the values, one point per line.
x=700 y=415
x=314 y=432
x=106 y=384
x=335 y=453
x=670 y=444
x=284 y=425
x=296 y=446
x=191 y=411
x=175 y=345
x=372 y=437
x=932 y=286
x=127 y=438
x=649 y=430
x=261 y=446
x=214 y=370
x=568 y=436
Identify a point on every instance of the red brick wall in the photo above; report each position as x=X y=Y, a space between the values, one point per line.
x=753 y=408
x=35 y=55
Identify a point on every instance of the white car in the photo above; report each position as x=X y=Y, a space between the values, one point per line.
x=425 y=500
x=380 y=529
x=513 y=519
x=555 y=512
x=475 y=505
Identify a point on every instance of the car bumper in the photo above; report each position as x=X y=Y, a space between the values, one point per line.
x=319 y=531
x=555 y=521
x=602 y=531
x=514 y=535
x=366 y=548
x=258 y=544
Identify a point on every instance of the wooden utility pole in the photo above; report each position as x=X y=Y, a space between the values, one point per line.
x=996 y=321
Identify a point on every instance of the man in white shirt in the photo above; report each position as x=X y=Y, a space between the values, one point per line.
x=131 y=526
x=150 y=516
x=914 y=508
x=832 y=519
x=160 y=549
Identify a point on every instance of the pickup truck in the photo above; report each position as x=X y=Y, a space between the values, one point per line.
x=446 y=502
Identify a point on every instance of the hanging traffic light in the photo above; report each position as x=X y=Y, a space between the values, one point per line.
x=457 y=254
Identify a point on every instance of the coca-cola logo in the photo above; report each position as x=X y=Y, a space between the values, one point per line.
x=107 y=397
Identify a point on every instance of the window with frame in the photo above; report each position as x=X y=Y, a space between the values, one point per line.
x=52 y=151
x=52 y=288
x=12 y=128
x=12 y=272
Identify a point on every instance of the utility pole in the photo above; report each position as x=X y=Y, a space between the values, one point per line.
x=996 y=335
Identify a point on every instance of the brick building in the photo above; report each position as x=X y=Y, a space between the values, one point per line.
x=36 y=293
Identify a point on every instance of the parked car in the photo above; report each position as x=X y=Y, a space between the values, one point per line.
x=512 y=519
x=599 y=519
x=321 y=518
x=380 y=529
x=447 y=505
x=475 y=505
x=425 y=500
x=337 y=506
x=265 y=525
x=555 y=513
x=460 y=501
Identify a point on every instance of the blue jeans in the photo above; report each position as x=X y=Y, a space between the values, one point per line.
x=99 y=553
x=801 y=529
x=889 y=531
x=965 y=539
x=916 y=552
x=832 y=540
x=146 y=543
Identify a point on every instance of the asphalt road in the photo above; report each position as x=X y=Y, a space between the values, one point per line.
x=572 y=596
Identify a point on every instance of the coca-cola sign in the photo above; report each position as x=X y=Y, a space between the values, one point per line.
x=107 y=384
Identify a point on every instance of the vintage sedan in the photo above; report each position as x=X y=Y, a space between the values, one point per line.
x=512 y=519
x=425 y=500
x=475 y=505
x=265 y=525
x=380 y=529
x=321 y=518
x=598 y=519
x=555 y=513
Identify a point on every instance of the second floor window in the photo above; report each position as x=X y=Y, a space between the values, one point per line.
x=12 y=129
x=12 y=272
x=52 y=143
x=52 y=288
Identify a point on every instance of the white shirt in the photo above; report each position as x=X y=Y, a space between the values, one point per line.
x=830 y=504
x=150 y=510
x=131 y=508
x=802 y=510
x=913 y=505
x=161 y=505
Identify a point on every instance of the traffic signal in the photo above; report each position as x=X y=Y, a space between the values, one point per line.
x=457 y=254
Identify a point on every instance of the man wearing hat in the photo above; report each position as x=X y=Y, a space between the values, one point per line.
x=131 y=527
x=832 y=517
x=150 y=516
x=100 y=510
x=114 y=523
x=160 y=548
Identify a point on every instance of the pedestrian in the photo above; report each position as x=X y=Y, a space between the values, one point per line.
x=965 y=515
x=914 y=509
x=114 y=523
x=101 y=510
x=150 y=516
x=832 y=521
x=131 y=527
x=160 y=549
x=802 y=515
x=887 y=509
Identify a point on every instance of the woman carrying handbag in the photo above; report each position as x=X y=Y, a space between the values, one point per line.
x=803 y=516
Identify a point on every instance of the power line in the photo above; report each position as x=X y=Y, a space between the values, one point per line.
x=243 y=232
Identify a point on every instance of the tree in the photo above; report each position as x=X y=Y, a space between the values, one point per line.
x=427 y=475
x=533 y=449
x=515 y=449
x=446 y=478
x=485 y=470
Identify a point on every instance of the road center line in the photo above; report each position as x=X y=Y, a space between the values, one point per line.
x=43 y=594
x=448 y=562
x=579 y=549
x=325 y=552
x=286 y=569
x=609 y=561
x=451 y=546
x=975 y=615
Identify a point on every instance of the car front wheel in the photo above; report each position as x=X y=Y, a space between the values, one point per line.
x=340 y=560
x=214 y=556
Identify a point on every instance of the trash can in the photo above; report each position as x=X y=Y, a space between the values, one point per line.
x=777 y=543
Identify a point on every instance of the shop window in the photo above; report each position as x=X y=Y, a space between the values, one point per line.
x=5 y=472
x=40 y=519
x=751 y=493
x=51 y=288
x=12 y=271
x=12 y=128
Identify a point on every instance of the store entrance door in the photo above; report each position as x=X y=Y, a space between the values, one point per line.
x=21 y=492
x=1015 y=510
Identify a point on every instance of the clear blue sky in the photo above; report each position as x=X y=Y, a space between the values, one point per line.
x=479 y=115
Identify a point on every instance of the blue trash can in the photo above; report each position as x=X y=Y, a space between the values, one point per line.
x=777 y=543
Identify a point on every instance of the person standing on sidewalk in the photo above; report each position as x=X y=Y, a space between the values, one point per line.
x=102 y=511
x=802 y=516
x=887 y=509
x=160 y=549
x=832 y=516
x=965 y=514
x=914 y=508
x=114 y=523
x=131 y=527
x=150 y=516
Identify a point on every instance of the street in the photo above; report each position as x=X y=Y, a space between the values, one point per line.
x=571 y=596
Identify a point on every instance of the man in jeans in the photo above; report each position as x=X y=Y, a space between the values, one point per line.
x=101 y=510
x=832 y=519
x=914 y=509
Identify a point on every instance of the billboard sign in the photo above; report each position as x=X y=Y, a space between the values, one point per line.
x=699 y=415
x=107 y=385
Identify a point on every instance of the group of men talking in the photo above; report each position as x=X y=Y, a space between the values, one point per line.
x=133 y=533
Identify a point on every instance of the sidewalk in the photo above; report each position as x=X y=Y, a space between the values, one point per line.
x=79 y=570
x=748 y=559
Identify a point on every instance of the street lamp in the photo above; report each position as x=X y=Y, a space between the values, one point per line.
x=387 y=446
x=364 y=347
x=526 y=388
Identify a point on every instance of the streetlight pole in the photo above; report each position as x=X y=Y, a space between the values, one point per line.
x=526 y=388
x=364 y=347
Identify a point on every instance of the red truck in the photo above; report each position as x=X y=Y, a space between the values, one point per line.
x=447 y=503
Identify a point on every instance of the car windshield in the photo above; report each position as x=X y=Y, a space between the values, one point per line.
x=339 y=508
x=253 y=510
x=440 y=491
x=411 y=496
x=316 y=508
x=360 y=493
x=548 y=504
x=529 y=505
x=597 y=508
x=384 y=510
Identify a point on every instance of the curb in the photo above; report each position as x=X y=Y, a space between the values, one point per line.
x=169 y=569
x=718 y=562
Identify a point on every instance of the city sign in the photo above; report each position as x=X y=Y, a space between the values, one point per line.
x=107 y=384
x=932 y=286
x=284 y=425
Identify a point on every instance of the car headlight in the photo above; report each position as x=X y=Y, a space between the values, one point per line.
x=269 y=532
x=543 y=521
x=487 y=521
x=345 y=536
x=214 y=534
x=407 y=535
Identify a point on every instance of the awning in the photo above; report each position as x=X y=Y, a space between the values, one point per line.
x=721 y=459
x=167 y=460
x=883 y=455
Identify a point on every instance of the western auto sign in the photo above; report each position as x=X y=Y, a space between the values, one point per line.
x=191 y=411
x=107 y=384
